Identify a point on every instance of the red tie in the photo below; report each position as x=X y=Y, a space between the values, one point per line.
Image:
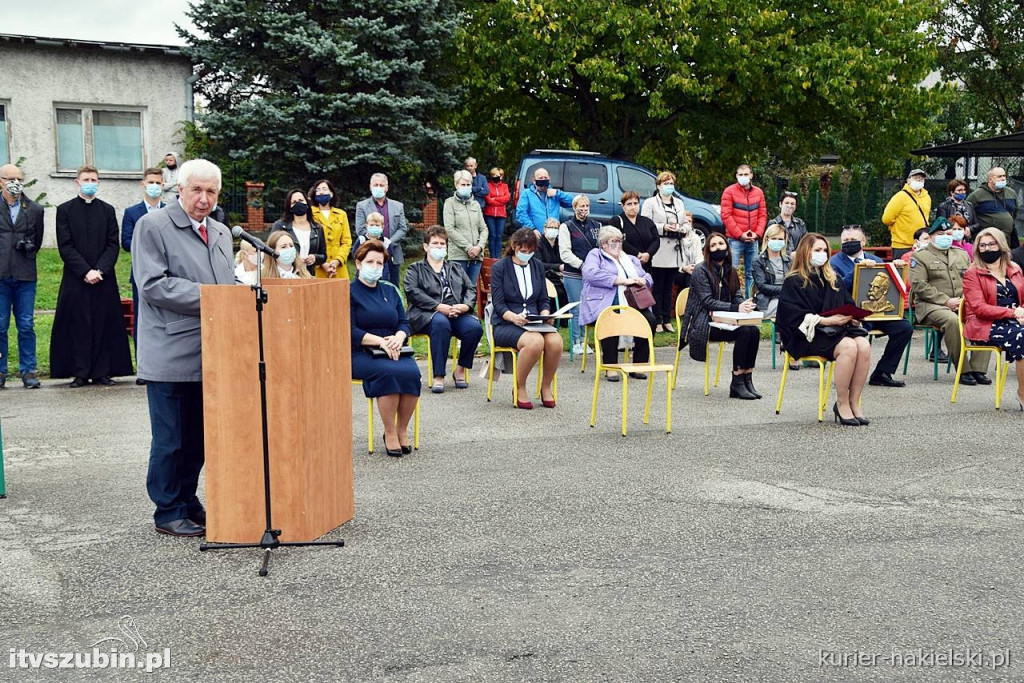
x=202 y=232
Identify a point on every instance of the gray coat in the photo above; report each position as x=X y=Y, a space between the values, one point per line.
x=399 y=225
x=170 y=261
x=15 y=263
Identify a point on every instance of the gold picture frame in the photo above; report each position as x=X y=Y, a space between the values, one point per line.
x=875 y=290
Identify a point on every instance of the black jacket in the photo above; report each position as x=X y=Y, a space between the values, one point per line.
x=317 y=243
x=505 y=294
x=19 y=264
x=423 y=291
x=764 y=279
x=709 y=292
x=1018 y=256
x=638 y=238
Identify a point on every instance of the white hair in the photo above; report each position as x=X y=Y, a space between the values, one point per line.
x=379 y=176
x=463 y=174
x=608 y=232
x=198 y=169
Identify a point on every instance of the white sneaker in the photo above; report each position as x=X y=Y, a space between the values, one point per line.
x=577 y=349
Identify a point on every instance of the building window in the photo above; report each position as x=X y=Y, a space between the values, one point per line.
x=5 y=152
x=109 y=139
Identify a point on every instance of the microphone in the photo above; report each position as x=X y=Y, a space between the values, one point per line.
x=256 y=242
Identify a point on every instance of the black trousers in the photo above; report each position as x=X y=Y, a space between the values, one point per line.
x=176 y=453
x=664 y=306
x=746 y=338
x=899 y=333
x=641 y=354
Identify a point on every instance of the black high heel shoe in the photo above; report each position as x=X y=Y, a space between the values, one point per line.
x=863 y=421
x=394 y=453
x=852 y=422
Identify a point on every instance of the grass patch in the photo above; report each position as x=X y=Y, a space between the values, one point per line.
x=50 y=269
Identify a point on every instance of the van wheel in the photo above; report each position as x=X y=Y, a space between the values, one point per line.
x=703 y=231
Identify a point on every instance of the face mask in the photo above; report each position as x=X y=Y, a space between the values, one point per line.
x=287 y=256
x=787 y=210
x=743 y=180
x=1000 y=184
x=438 y=253
x=374 y=230
x=323 y=199
x=776 y=245
x=916 y=185
x=371 y=273
x=543 y=184
x=942 y=242
x=718 y=255
x=851 y=248
x=378 y=192
x=90 y=189
x=464 y=192
x=818 y=259
x=581 y=214
x=153 y=190
x=551 y=233
x=495 y=178
x=918 y=246
x=667 y=189
x=300 y=209
x=959 y=196
x=958 y=235
x=990 y=256
x=524 y=256
x=14 y=188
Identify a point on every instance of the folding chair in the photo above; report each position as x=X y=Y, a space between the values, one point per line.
x=1002 y=366
x=617 y=321
x=823 y=383
x=515 y=366
x=369 y=430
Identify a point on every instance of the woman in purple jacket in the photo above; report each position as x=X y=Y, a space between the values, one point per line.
x=607 y=271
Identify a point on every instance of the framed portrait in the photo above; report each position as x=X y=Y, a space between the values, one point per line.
x=876 y=288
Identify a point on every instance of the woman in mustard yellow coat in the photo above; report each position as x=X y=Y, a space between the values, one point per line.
x=336 y=231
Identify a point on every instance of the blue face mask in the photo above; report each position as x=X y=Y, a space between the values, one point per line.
x=942 y=242
x=371 y=274
x=438 y=253
x=958 y=235
x=524 y=256
x=464 y=192
x=90 y=189
x=667 y=189
x=959 y=196
x=323 y=199
x=378 y=192
x=776 y=245
x=287 y=256
x=154 y=190
x=374 y=230
x=1000 y=184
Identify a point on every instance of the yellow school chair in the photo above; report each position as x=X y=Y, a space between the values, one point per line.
x=369 y=429
x=617 y=321
x=823 y=382
x=452 y=354
x=515 y=366
x=1002 y=366
x=684 y=296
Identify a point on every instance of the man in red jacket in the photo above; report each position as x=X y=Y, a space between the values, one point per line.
x=744 y=214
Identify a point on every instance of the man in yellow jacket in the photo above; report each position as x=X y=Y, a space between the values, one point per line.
x=906 y=212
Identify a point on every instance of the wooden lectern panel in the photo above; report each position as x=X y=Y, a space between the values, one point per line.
x=309 y=407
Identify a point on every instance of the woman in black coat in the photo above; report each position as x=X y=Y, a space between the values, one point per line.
x=639 y=233
x=810 y=289
x=715 y=287
x=307 y=234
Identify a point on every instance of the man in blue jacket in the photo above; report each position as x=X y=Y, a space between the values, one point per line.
x=480 y=187
x=152 y=187
x=899 y=331
x=540 y=201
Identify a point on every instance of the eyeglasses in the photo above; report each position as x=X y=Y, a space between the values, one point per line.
x=988 y=246
x=614 y=242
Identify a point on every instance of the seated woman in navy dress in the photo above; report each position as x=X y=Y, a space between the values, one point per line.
x=518 y=288
x=993 y=294
x=378 y=321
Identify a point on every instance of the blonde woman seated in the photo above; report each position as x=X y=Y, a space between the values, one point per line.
x=812 y=288
x=286 y=265
x=607 y=271
x=246 y=263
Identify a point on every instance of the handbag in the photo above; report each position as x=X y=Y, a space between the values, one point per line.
x=639 y=296
x=842 y=330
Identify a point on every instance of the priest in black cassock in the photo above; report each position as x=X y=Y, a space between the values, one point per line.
x=89 y=341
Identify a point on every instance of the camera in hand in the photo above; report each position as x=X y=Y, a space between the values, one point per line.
x=26 y=245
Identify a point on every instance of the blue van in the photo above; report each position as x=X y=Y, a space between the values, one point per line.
x=604 y=179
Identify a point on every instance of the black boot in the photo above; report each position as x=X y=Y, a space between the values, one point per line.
x=748 y=380
x=738 y=389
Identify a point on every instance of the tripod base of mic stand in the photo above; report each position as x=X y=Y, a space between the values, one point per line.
x=268 y=543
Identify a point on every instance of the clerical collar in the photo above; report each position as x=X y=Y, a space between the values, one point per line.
x=87 y=200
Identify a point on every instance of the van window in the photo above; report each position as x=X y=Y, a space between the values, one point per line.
x=585 y=177
x=554 y=169
x=633 y=179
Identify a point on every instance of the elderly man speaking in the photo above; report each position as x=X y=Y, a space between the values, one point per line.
x=174 y=250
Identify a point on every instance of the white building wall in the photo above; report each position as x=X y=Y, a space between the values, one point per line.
x=38 y=76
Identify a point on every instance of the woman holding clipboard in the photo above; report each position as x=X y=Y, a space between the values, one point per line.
x=816 y=318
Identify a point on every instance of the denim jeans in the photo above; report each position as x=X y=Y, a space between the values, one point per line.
x=573 y=291
x=466 y=328
x=472 y=269
x=495 y=234
x=748 y=250
x=21 y=297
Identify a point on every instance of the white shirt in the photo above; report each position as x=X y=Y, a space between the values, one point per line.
x=525 y=281
x=303 y=238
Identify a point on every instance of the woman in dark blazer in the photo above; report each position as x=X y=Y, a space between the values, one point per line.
x=715 y=287
x=639 y=233
x=518 y=288
x=441 y=298
x=307 y=234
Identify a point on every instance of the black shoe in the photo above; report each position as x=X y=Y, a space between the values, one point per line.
x=406 y=450
x=863 y=421
x=885 y=379
x=394 y=453
x=980 y=378
x=79 y=382
x=105 y=381
x=181 y=527
x=3 y=380
x=140 y=382
x=738 y=389
x=968 y=379
x=30 y=380
x=638 y=375
x=943 y=358
x=198 y=518
x=613 y=377
x=748 y=380
x=851 y=422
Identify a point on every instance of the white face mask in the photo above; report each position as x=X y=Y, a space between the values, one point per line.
x=819 y=258
x=743 y=180
x=916 y=185
x=551 y=233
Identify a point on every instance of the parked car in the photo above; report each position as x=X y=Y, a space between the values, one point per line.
x=604 y=180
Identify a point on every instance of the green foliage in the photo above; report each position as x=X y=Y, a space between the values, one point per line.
x=700 y=87
x=301 y=89
x=39 y=199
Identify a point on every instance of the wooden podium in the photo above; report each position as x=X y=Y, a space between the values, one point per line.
x=306 y=341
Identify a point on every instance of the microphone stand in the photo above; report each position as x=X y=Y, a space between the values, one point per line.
x=269 y=541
